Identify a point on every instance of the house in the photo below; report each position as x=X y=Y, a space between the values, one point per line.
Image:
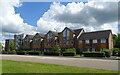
x=68 y=37
x=18 y=39
x=50 y=40
x=8 y=43
x=37 y=44
x=27 y=42
x=95 y=41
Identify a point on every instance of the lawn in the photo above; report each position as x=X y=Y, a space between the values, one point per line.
x=9 y=66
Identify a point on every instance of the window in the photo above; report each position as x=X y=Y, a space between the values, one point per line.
x=86 y=41
x=66 y=34
x=49 y=36
x=102 y=48
x=93 y=49
x=94 y=41
x=103 y=40
x=80 y=41
x=67 y=43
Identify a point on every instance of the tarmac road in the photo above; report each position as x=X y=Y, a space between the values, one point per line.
x=69 y=61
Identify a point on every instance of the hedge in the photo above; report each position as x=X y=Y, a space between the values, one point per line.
x=71 y=49
x=69 y=53
x=12 y=52
x=119 y=53
x=33 y=52
x=94 y=54
x=54 y=53
x=107 y=52
x=21 y=52
x=4 y=52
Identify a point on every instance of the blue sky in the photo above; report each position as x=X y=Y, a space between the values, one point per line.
x=32 y=11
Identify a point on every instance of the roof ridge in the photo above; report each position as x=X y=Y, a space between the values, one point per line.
x=97 y=31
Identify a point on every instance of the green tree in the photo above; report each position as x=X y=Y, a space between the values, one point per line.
x=56 y=48
x=1 y=46
x=11 y=46
x=116 y=40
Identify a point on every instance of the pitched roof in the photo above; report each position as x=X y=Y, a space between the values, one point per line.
x=42 y=35
x=55 y=33
x=30 y=36
x=77 y=31
x=104 y=34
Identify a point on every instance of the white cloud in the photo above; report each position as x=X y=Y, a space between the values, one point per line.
x=11 y=22
x=91 y=16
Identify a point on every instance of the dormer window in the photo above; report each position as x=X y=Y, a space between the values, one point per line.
x=66 y=34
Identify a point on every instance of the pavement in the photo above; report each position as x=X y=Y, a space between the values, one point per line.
x=69 y=61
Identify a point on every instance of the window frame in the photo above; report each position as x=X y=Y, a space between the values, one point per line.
x=103 y=41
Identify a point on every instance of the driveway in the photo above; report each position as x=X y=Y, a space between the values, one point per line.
x=69 y=61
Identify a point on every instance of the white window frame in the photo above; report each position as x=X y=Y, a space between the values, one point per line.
x=87 y=41
x=95 y=41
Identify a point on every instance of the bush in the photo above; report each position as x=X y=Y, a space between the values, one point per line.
x=54 y=53
x=4 y=52
x=21 y=52
x=33 y=52
x=115 y=51
x=94 y=54
x=71 y=50
x=69 y=53
x=56 y=48
x=107 y=52
x=119 y=53
x=12 y=52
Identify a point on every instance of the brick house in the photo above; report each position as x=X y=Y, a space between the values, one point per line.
x=37 y=44
x=68 y=37
x=95 y=41
x=50 y=40
x=27 y=42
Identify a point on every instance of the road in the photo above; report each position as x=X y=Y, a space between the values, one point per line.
x=69 y=61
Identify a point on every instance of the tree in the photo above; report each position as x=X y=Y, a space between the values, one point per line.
x=11 y=46
x=56 y=48
x=1 y=46
x=116 y=40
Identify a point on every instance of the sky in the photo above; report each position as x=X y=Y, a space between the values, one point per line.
x=32 y=17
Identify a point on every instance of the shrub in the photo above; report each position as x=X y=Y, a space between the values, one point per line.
x=56 y=48
x=94 y=54
x=4 y=52
x=12 y=52
x=21 y=52
x=69 y=53
x=54 y=53
x=33 y=52
x=119 y=53
x=107 y=52
x=115 y=51
x=71 y=50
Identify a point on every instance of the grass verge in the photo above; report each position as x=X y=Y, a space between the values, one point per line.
x=10 y=66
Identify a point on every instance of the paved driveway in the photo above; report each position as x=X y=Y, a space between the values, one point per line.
x=79 y=62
